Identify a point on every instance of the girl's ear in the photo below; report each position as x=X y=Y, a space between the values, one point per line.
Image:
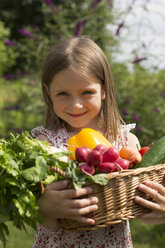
x=47 y=89
x=102 y=94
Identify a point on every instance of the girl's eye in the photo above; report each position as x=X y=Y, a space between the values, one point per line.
x=63 y=93
x=87 y=92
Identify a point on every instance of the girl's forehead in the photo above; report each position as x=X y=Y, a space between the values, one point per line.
x=70 y=78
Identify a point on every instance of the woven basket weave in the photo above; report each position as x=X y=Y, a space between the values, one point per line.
x=116 y=199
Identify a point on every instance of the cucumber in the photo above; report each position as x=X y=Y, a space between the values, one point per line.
x=155 y=155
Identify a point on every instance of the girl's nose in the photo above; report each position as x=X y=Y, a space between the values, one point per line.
x=77 y=103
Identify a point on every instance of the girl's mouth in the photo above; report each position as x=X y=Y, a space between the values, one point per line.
x=77 y=115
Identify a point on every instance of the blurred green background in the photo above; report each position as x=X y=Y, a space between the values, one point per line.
x=28 y=29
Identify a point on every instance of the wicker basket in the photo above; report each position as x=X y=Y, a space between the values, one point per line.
x=116 y=199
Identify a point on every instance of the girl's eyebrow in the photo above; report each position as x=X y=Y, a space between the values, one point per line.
x=85 y=88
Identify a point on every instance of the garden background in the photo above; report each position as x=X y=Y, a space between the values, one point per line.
x=28 y=29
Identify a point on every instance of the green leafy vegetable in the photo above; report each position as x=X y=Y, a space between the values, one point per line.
x=101 y=179
x=24 y=161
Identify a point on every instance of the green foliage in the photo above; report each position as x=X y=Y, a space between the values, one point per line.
x=24 y=162
x=141 y=99
x=53 y=23
x=24 y=109
x=18 y=236
x=147 y=236
x=8 y=54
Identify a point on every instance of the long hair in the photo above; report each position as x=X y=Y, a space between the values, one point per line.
x=86 y=57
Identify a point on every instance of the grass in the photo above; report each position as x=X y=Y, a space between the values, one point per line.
x=19 y=238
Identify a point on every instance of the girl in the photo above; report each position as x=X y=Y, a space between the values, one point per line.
x=79 y=93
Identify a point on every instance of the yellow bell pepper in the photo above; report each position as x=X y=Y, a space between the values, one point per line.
x=86 y=137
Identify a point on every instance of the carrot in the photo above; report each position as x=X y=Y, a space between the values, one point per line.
x=130 y=154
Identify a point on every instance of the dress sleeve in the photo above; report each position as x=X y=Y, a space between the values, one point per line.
x=58 y=139
x=125 y=131
x=122 y=140
x=41 y=130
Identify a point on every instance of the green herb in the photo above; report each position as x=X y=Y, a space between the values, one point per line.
x=24 y=162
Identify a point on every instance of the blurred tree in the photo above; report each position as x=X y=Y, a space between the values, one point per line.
x=37 y=25
x=16 y=14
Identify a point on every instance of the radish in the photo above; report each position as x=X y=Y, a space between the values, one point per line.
x=106 y=167
x=101 y=148
x=94 y=158
x=87 y=169
x=110 y=155
x=81 y=153
x=124 y=164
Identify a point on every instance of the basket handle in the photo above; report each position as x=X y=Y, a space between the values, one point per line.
x=63 y=174
x=55 y=169
x=59 y=171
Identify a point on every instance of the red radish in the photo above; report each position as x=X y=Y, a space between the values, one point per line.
x=101 y=148
x=111 y=155
x=143 y=150
x=87 y=169
x=106 y=167
x=124 y=163
x=81 y=153
x=94 y=158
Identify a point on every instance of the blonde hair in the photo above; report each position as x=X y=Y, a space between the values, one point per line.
x=85 y=56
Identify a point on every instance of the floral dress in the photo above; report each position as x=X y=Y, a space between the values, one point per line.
x=112 y=236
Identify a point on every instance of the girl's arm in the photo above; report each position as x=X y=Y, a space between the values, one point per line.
x=133 y=141
x=155 y=190
x=60 y=202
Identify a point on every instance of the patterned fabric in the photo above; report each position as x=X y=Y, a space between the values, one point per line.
x=112 y=236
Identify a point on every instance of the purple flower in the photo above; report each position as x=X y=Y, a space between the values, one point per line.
x=135 y=117
x=25 y=32
x=125 y=112
x=121 y=25
x=127 y=100
x=95 y=4
x=138 y=60
x=14 y=107
x=49 y=2
x=22 y=73
x=162 y=94
x=138 y=129
x=78 y=29
x=9 y=42
x=157 y=110
x=9 y=76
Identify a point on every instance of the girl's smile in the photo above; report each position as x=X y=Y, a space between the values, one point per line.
x=78 y=115
x=76 y=99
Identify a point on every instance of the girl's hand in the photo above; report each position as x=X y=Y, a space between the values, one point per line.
x=59 y=202
x=157 y=192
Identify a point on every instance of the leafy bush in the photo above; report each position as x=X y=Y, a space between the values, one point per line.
x=141 y=99
x=8 y=53
x=24 y=109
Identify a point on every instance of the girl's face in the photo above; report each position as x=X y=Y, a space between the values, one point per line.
x=76 y=99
